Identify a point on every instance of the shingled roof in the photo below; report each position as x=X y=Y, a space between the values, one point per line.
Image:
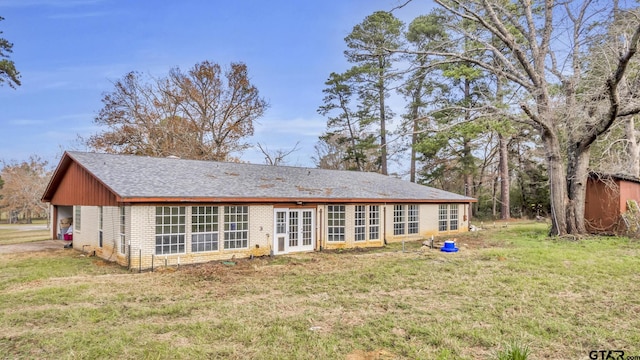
x=136 y=178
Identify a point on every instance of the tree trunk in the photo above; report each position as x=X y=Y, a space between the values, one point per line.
x=557 y=184
x=383 y=130
x=414 y=141
x=633 y=150
x=467 y=156
x=416 y=102
x=523 y=194
x=494 y=196
x=468 y=189
x=577 y=173
x=505 y=200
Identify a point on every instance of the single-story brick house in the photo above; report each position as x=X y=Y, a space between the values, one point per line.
x=138 y=210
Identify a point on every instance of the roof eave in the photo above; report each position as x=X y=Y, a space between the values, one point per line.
x=284 y=200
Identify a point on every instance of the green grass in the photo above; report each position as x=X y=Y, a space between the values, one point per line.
x=507 y=292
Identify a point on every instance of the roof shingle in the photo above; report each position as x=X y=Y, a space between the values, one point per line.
x=147 y=177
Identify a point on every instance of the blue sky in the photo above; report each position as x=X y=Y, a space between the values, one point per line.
x=69 y=52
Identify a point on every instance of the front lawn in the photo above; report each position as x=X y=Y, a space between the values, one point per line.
x=505 y=287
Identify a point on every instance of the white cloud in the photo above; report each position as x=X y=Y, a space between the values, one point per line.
x=91 y=77
x=24 y=122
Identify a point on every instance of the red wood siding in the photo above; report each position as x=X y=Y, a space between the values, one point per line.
x=628 y=191
x=604 y=205
x=602 y=209
x=78 y=187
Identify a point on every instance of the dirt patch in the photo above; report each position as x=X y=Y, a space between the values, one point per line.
x=47 y=245
x=370 y=355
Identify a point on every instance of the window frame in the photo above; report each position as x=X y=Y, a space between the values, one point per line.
x=374 y=222
x=413 y=219
x=122 y=218
x=174 y=231
x=77 y=218
x=205 y=228
x=399 y=219
x=307 y=227
x=453 y=217
x=236 y=231
x=293 y=226
x=443 y=217
x=360 y=223
x=336 y=223
x=100 y=225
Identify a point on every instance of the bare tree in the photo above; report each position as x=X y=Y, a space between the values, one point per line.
x=23 y=186
x=205 y=113
x=276 y=157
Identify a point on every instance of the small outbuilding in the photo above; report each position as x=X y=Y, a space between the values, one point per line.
x=607 y=203
x=139 y=211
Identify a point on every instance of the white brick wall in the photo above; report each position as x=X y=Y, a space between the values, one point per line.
x=428 y=224
x=86 y=234
x=322 y=225
x=140 y=233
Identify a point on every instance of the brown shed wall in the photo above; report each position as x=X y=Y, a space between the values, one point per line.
x=78 y=187
x=602 y=206
x=628 y=191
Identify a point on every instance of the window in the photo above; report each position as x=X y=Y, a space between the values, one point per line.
x=453 y=219
x=335 y=222
x=100 y=224
x=170 y=230
x=293 y=228
x=123 y=239
x=374 y=222
x=204 y=228
x=307 y=228
x=77 y=221
x=236 y=227
x=442 y=217
x=412 y=218
x=360 y=223
x=398 y=219
x=281 y=222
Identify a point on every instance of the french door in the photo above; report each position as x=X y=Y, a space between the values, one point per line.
x=294 y=230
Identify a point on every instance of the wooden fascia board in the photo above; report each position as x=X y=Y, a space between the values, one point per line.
x=282 y=200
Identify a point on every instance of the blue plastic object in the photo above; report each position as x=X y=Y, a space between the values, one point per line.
x=449 y=246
